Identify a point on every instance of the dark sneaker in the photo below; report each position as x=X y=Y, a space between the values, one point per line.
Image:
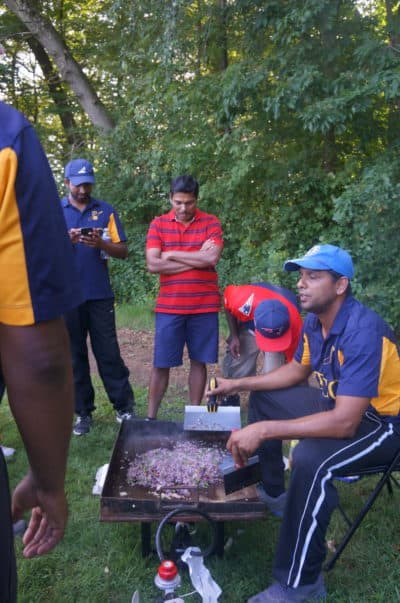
x=82 y=425
x=124 y=416
x=277 y=593
x=275 y=505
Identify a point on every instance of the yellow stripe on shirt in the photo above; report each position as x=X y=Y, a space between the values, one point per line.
x=15 y=299
x=388 y=400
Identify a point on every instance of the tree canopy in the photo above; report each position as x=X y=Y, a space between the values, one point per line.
x=287 y=112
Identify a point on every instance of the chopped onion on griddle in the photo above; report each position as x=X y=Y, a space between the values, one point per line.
x=186 y=464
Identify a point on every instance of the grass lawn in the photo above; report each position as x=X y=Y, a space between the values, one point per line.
x=102 y=563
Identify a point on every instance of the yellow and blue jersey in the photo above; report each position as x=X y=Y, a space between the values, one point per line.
x=93 y=270
x=359 y=357
x=38 y=275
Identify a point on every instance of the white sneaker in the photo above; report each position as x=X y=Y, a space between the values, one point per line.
x=7 y=452
x=124 y=415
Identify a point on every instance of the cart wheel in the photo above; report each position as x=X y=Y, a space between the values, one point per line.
x=187 y=511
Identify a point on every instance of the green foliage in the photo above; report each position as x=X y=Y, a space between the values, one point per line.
x=130 y=279
x=286 y=112
x=369 y=213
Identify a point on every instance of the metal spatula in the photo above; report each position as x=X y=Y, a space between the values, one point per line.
x=212 y=417
x=238 y=478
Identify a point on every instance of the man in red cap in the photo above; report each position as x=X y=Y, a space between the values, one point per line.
x=261 y=317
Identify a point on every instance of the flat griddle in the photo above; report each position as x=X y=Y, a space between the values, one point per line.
x=120 y=501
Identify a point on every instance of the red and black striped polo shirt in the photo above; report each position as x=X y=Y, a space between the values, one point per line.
x=194 y=291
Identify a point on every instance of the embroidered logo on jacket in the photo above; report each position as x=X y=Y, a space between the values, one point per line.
x=246 y=308
x=95 y=214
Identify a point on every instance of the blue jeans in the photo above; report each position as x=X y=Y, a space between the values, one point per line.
x=97 y=318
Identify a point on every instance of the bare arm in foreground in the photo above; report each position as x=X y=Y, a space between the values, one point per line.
x=37 y=371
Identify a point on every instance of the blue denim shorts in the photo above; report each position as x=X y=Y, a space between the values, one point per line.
x=198 y=331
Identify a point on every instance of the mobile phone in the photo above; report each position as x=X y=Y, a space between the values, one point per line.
x=86 y=232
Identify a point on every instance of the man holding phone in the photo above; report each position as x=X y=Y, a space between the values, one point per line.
x=88 y=220
x=87 y=232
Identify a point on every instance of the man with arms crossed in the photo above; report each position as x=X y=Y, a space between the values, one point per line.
x=183 y=247
x=350 y=422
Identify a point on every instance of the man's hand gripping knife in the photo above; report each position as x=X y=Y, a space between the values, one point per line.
x=212 y=404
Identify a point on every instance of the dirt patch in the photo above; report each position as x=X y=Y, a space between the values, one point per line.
x=137 y=352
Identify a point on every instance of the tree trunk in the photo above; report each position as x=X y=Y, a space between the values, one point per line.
x=393 y=24
x=57 y=93
x=42 y=29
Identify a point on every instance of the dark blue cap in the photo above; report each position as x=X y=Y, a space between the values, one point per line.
x=79 y=171
x=272 y=322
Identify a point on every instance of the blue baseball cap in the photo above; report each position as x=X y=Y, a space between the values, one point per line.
x=324 y=257
x=272 y=326
x=79 y=171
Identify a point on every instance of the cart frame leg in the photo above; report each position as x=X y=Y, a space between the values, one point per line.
x=219 y=544
x=145 y=531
